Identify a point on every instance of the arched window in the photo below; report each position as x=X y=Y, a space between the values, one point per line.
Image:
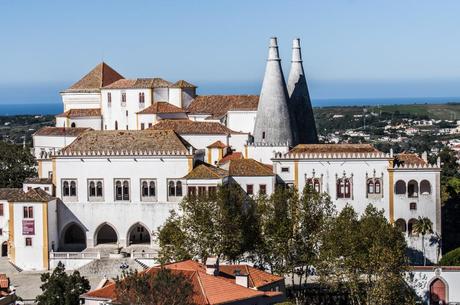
x=152 y=189
x=141 y=98
x=109 y=99
x=412 y=188
x=344 y=188
x=425 y=187
x=125 y=190
x=401 y=225
x=178 y=189
x=73 y=125
x=400 y=187
x=92 y=189
x=410 y=227
x=73 y=188
x=65 y=189
x=171 y=188
x=377 y=186
x=118 y=191
x=370 y=186
x=145 y=189
x=99 y=189
x=347 y=188
x=413 y=206
x=116 y=125
x=314 y=183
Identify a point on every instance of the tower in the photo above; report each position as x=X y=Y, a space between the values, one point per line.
x=299 y=99
x=273 y=124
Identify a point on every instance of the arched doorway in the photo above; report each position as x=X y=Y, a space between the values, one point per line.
x=74 y=238
x=5 y=249
x=438 y=292
x=106 y=234
x=138 y=234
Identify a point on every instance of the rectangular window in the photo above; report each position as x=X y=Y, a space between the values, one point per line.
x=123 y=99
x=28 y=212
x=262 y=189
x=191 y=191
x=202 y=191
x=250 y=189
x=150 y=125
x=95 y=190
x=122 y=189
x=148 y=189
x=1 y=209
x=28 y=241
x=142 y=126
x=285 y=169
x=141 y=99
x=109 y=99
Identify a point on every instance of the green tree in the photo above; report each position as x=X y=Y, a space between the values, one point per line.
x=224 y=225
x=423 y=226
x=60 y=288
x=451 y=258
x=366 y=256
x=16 y=164
x=160 y=288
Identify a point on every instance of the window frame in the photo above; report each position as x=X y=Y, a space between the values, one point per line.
x=175 y=190
x=69 y=196
x=122 y=185
x=262 y=189
x=250 y=189
x=27 y=212
x=123 y=99
x=28 y=242
x=95 y=198
x=109 y=99
x=148 y=197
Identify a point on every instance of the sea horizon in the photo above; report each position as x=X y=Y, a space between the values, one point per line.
x=36 y=108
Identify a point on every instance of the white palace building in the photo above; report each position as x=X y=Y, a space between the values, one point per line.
x=125 y=152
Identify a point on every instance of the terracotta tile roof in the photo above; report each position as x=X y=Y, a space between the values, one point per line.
x=206 y=171
x=37 y=180
x=102 y=75
x=128 y=140
x=257 y=277
x=409 y=159
x=249 y=167
x=218 y=105
x=61 y=131
x=193 y=127
x=139 y=83
x=217 y=144
x=18 y=195
x=161 y=107
x=231 y=156
x=4 y=281
x=207 y=289
x=334 y=148
x=78 y=113
x=182 y=84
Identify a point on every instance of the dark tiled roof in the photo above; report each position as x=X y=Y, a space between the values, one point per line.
x=182 y=84
x=126 y=141
x=249 y=167
x=217 y=144
x=161 y=107
x=206 y=171
x=102 y=75
x=139 y=83
x=18 y=195
x=78 y=113
x=193 y=127
x=409 y=159
x=333 y=148
x=38 y=180
x=61 y=131
x=218 y=105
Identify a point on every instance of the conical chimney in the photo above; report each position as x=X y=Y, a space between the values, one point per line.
x=299 y=99
x=273 y=124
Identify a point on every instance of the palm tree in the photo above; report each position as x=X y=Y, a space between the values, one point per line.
x=423 y=226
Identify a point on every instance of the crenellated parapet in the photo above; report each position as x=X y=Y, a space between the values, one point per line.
x=122 y=153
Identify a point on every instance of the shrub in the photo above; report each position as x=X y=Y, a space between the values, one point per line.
x=452 y=258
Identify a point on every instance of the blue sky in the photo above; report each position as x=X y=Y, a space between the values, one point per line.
x=351 y=49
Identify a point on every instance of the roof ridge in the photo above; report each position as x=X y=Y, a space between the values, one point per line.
x=202 y=287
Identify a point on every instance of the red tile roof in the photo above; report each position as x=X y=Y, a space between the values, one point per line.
x=218 y=105
x=231 y=156
x=78 y=113
x=207 y=289
x=161 y=107
x=139 y=83
x=249 y=168
x=193 y=127
x=206 y=171
x=333 y=148
x=257 y=277
x=409 y=159
x=61 y=131
x=182 y=84
x=217 y=144
x=18 y=195
x=102 y=75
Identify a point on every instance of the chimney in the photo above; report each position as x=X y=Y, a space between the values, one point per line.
x=241 y=279
x=300 y=107
x=212 y=266
x=273 y=124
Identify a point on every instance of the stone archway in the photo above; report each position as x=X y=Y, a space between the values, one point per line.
x=106 y=234
x=138 y=234
x=74 y=238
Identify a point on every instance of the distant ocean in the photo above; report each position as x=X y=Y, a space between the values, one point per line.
x=55 y=108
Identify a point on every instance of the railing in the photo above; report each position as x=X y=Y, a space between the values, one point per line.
x=75 y=255
x=147 y=255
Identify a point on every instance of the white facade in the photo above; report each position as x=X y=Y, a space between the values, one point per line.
x=241 y=121
x=436 y=283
